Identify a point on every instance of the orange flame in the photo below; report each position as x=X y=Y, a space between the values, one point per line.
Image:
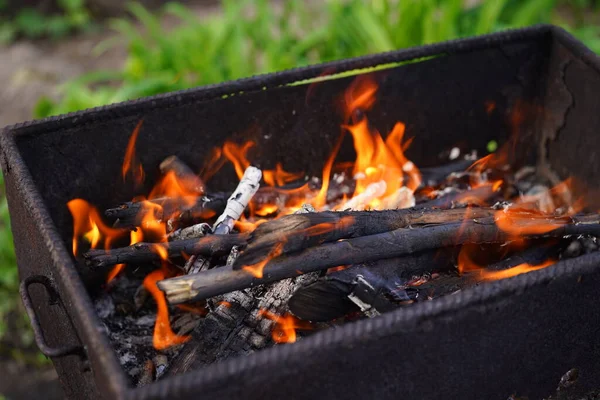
x=360 y=95
x=514 y=271
x=520 y=224
x=161 y=251
x=237 y=155
x=164 y=337
x=88 y=224
x=257 y=269
x=285 y=326
x=136 y=237
x=130 y=164
x=114 y=272
x=279 y=177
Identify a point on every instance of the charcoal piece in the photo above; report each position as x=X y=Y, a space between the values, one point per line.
x=236 y=326
x=433 y=176
x=327 y=299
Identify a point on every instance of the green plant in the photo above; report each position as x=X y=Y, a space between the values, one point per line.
x=252 y=37
x=32 y=24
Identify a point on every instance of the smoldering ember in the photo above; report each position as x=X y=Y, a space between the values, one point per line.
x=194 y=276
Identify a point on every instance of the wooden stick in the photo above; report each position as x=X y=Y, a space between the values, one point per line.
x=301 y=231
x=149 y=252
x=478 y=195
x=293 y=230
x=130 y=214
x=433 y=176
x=362 y=249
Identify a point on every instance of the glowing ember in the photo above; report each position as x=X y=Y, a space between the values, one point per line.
x=164 y=337
x=285 y=326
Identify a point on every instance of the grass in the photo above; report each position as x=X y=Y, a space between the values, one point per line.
x=251 y=37
x=31 y=24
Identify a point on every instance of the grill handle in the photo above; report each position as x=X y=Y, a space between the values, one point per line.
x=54 y=298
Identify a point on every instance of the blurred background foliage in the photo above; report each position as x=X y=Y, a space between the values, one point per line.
x=255 y=36
x=247 y=37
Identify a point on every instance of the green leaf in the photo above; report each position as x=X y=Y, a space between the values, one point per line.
x=31 y=23
x=43 y=108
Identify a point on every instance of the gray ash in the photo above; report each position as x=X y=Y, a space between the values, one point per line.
x=130 y=326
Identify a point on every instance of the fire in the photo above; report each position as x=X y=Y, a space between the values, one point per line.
x=136 y=237
x=114 y=272
x=161 y=251
x=164 y=337
x=175 y=188
x=237 y=155
x=519 y=224
x=88 y=224
x=468 y=265
x=257 y=269
x=514 y=271
x=285 y=326
x=360 y=95
x=130 y=164
x=279 y=177
x=380 y=161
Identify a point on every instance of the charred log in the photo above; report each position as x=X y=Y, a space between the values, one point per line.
x=478 y=195
x=324 y=227
x=386 y=245
x=390 y=283
x=214 y=245
x=433 y=176
x=298 y=232
x=130 y=214
x=236 y=325
x=327 y=299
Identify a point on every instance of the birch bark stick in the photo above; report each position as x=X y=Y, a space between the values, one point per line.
x=236 y=204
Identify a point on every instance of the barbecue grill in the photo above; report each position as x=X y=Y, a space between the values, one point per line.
x=516 y=336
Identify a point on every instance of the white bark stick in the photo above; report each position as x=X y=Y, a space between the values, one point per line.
x=236 y=204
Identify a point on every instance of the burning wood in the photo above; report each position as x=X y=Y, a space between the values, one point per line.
x=391 y=244
x=297 y=232
x=389 y=234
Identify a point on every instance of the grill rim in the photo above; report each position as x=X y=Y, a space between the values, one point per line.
x=77 y=299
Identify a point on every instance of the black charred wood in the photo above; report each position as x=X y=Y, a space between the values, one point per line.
x=386 y=245
x=130 y=214
x=327 y=299
x=214 y=245
x=300 y=231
